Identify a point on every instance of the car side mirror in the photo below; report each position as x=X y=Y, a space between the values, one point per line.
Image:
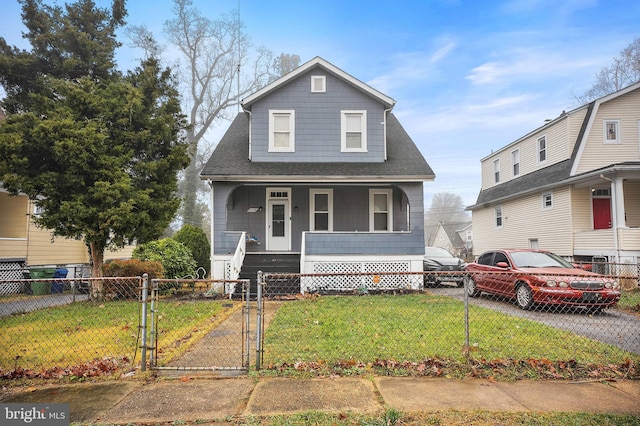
x=502 y=265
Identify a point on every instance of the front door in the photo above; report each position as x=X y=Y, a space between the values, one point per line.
x=278 y=219
x=601 y=213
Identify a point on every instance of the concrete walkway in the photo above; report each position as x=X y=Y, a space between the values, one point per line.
x=215 y=399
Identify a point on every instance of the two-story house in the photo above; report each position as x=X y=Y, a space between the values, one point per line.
x=318 y=168
x=571 y=186
x=455 y=237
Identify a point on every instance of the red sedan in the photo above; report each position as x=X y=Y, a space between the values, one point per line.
x=539 y=277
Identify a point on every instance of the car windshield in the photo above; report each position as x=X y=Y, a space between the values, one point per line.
x=437 y=252
x=535 y=259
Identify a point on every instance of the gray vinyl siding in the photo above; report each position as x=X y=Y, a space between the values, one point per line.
x=350 y=214
x=317 y=122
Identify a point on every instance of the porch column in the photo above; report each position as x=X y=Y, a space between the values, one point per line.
x=618 y=199
x=211 y=242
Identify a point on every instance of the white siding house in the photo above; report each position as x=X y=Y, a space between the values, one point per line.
x=571 y=186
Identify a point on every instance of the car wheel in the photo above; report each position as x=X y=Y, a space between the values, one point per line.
x=524 y=298
x=472 y=289
x=429 y=280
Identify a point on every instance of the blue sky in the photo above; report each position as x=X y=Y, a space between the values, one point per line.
x=468 y=76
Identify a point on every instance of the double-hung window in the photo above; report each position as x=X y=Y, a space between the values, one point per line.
x=282 y=130
x=354 y=131
x=542 y=149
x=380 y=210
x=515 y=162
x=498 y=216
x=496 y=170
x=321 y=202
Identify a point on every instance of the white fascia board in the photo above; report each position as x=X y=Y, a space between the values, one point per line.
x=318 y=179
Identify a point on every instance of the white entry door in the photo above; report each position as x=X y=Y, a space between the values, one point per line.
x=278 y=220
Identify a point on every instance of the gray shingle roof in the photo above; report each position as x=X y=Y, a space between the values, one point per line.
x=538 y=179
x=229 y=160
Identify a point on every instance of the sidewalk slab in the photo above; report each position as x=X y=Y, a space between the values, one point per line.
x=590 y=397
x=412 y=394
x=189 y=400
x=86 y=401
x=285 y=396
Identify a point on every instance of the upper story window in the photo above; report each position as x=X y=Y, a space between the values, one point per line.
x=282 y=130
x=515 y=162
x=498 y=216
x=547 y=200
x=496 y=170
x=354 y=131
x=321 y=202
x=380 y=210
x=318 y=84
x=612 y=131
x=542 y=149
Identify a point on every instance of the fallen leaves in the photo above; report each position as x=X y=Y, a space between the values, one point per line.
x=97 y=367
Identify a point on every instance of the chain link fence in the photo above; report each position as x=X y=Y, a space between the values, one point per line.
x=381 y=318
x=374 y=318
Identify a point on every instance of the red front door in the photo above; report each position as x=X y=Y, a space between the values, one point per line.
x=601 y=213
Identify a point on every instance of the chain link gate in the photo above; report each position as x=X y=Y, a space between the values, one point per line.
x=197 y=325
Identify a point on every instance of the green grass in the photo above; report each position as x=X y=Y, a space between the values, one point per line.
x=415 y=327
x=445 y=417
x=630 y=300
x=79 y=332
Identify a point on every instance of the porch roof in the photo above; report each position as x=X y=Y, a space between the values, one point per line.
x=230 y=161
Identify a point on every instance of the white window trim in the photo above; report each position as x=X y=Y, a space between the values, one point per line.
x=495 y=217
x=496 y=170
x=544 y=201
x=618 y=139
x=292 y=130
x=323 y=85
x=538 y=150
x=515 y=153
x=389 y=194
x=312 y=208
x=343 y=130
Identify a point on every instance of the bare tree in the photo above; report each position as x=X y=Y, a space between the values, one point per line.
x=218 y=66
x=623 y=71
x=446 y=207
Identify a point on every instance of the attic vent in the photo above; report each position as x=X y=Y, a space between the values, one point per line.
x=318 y=84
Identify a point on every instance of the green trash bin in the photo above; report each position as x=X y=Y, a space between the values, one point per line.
x=41 y=287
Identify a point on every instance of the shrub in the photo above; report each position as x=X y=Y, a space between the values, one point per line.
x=196 y=240
x=128 y=289
x=176 y=259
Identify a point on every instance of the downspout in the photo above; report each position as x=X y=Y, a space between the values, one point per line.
x=384 y=124
x=249 y=112
x=614 y=218
x=212 y=242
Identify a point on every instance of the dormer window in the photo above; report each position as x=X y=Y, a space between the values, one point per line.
x=281 y=130
x=318 y=84
x=354 y=131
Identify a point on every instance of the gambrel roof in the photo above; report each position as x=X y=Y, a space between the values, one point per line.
x=558 y=174
x=230 y=161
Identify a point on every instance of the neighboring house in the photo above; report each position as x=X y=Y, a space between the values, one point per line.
x=318 y=168
x=455 y=237
x=22 y=244
x=571 y=186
